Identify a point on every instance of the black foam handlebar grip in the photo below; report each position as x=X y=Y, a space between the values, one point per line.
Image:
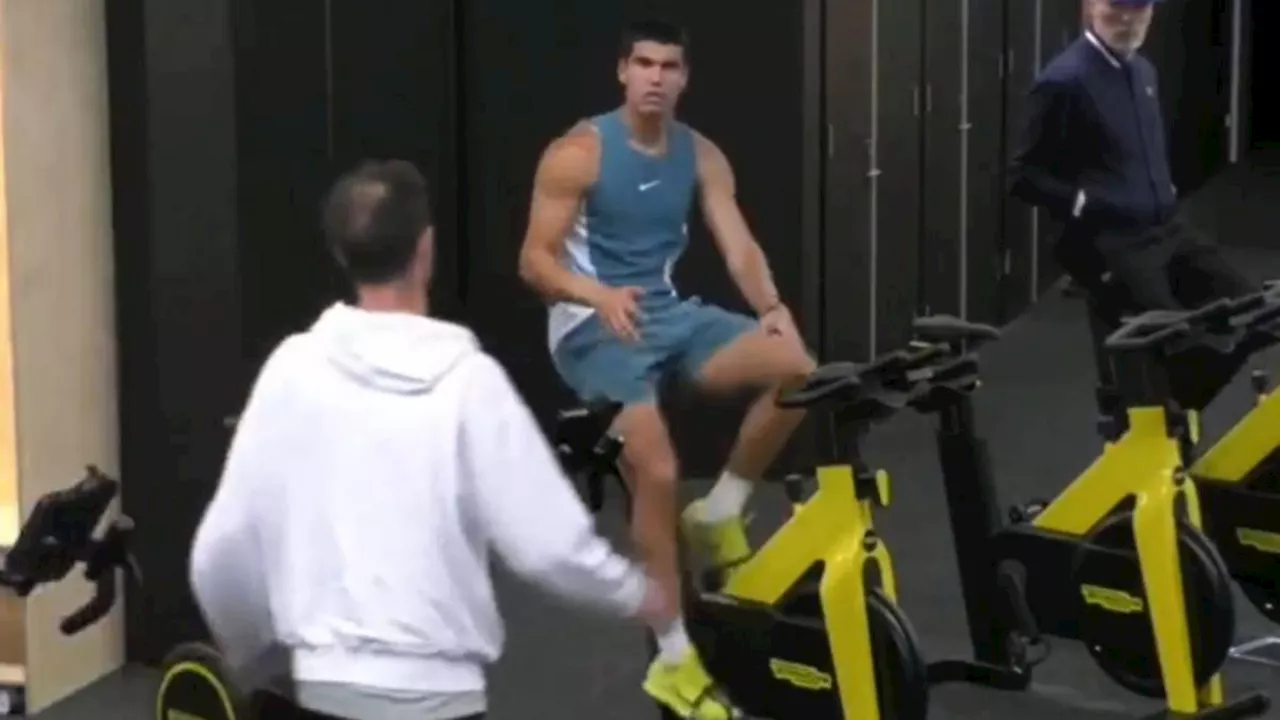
x=1135 y=336
x=98 y=606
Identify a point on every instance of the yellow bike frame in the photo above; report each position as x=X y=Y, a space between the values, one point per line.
x=1145 y=464
x=1245 y=446
x=833 y=527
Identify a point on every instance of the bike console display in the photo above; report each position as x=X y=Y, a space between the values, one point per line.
x=59 y=533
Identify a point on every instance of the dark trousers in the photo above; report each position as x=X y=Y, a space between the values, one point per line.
x=1170 y=267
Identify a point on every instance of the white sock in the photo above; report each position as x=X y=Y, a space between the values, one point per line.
x=673 y=644
x=727 y=499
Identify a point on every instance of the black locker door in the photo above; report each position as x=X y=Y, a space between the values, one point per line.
x=530 y=71
x=1019 y=236
x=1264 y=54
x=984 y=167
x=178 y=293
x=942 y=99
x=1242 y=14
x=1198 y=97
x=896 y=242
x=1166 y=50
x=849 y=216
x=1061 y=25
x=1242 y=72
x=392 y=94
x=282 y=95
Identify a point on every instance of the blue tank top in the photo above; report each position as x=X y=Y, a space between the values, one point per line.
x=633 y=225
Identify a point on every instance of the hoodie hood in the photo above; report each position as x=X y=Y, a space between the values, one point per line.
x=394 y=352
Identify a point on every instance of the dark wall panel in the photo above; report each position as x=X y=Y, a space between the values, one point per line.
x=848 y=216
x=392 y=90
x=529 y=74
x=984 y=193
x=282 y=83
x=1018 y=233
x=179 y=312
x=1196 y=92
x=943 y=102
x=814 y=151
x=899 y=194
x=1060 y=26
x=1242 y=32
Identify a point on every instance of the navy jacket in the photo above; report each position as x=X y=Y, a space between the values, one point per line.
x=1094 y=154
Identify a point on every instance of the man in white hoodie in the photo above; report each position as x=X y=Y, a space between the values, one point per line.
x=380 y=456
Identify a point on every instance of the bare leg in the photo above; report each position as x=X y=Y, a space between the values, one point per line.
x=756 y=360
x=764 y=433
x=650 y=467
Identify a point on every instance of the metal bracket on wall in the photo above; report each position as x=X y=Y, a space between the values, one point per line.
x=915 y=99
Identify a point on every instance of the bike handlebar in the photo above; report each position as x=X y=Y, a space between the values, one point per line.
x=1222 y=319
x=58 y=534
x=902 y=377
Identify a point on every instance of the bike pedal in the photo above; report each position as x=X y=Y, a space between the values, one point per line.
x=1259 y=381
x=1011 y=577
x=1028 y=512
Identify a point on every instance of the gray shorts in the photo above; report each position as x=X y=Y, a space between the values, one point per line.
x=360 y=702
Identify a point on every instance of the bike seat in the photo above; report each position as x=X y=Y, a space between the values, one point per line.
x=837 y=382
x=950 y=329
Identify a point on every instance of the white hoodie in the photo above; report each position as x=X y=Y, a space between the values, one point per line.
x=379 y=458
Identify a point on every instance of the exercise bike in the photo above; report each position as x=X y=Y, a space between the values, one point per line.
x=58 y=535
x=808 y=626
x=1116 y=561
x=1238 y=477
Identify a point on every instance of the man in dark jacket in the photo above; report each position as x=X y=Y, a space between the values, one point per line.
x=1094 y=158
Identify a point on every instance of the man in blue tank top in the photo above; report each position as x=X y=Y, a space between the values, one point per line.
x=609 y=218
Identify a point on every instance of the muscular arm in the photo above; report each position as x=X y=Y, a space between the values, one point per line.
x=746 y=262
x=566 y=171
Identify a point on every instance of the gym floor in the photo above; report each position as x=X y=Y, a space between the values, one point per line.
x=563 y=664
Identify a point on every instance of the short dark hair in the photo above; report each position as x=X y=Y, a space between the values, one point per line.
x=663 y=32
x=374 y=218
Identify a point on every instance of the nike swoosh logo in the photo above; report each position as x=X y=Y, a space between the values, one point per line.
x=646 y=186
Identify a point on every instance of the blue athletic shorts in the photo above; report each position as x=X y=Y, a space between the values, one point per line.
x=675 y=335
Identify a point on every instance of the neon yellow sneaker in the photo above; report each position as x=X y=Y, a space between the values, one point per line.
x=724 y=542
x=686 y=689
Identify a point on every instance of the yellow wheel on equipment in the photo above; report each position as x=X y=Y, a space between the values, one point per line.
x=197 y=686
